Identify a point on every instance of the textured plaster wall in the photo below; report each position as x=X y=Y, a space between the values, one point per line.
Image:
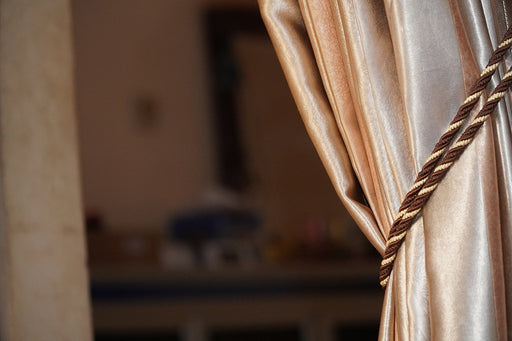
x=43 y=278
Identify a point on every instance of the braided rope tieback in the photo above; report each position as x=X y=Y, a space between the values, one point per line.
x=440 y=171
x=408 y=211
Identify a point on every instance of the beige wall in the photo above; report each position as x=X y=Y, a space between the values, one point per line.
x=126 y=49
x=137 y=177
x=291 y=186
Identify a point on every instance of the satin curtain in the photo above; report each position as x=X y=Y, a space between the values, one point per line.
x=376 y=84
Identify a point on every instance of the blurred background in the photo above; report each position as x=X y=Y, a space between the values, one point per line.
x=209 y=215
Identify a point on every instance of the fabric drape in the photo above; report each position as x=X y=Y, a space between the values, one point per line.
x=376 y=84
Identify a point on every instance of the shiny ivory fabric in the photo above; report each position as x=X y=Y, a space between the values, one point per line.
x=377 y=83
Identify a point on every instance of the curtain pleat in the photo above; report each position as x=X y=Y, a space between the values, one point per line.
x=376 y=84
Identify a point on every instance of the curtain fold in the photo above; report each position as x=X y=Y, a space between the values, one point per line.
x=376 y=84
